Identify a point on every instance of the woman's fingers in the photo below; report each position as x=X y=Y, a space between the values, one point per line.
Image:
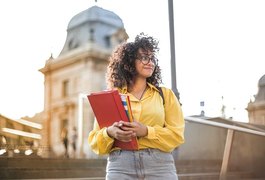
x=128 y=124
x=124 y=135
x=125 y=131
x=117 y=124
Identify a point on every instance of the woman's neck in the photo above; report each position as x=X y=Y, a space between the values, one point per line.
x=138 y=88
x=137 y=85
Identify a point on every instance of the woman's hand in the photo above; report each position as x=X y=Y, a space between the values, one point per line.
x=136 y=127
x=116 y=131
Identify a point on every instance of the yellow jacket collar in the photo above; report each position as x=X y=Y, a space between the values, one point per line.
x=124 y=89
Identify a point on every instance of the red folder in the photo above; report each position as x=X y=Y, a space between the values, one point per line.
x=108 y=108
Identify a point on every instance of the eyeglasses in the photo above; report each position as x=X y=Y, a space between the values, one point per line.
x=145 y=59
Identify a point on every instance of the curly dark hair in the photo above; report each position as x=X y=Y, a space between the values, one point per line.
x=121 y=68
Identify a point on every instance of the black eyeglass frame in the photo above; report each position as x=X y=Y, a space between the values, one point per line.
x=146 y=59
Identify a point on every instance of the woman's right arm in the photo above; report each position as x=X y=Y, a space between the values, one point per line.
x=99 y=140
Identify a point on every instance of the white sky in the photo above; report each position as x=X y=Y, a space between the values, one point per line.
x=219 y=48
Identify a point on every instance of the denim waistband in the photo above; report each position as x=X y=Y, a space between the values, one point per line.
x=146 y=150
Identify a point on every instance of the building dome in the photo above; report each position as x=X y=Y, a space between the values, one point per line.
x=95 y=14
x=261 y=90
x=256 y=109
x=94 y=27
x=262 y=81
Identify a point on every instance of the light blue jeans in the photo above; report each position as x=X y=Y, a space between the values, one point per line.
x=147 y=164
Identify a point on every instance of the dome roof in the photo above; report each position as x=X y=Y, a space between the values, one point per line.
x=98 y=14
x=94 y=27
x=261 y=90
x=262 y=81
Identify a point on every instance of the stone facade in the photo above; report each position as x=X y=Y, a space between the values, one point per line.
x=256 y=109
x=19 y=137
x=79 y=70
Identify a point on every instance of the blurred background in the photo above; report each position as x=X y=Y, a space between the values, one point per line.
x=54 y=53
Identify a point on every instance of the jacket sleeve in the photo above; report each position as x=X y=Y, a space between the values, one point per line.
x=99 y=140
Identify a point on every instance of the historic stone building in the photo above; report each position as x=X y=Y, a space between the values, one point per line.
x=19 y=137
x=256 y=109
x=78 y=70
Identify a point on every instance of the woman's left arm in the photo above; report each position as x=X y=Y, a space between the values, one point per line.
x=170 y=136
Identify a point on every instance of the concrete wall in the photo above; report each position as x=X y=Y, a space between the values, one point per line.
x=248 y=153
x=204 y=142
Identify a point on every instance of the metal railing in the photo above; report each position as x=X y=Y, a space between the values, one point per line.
x=222 y=125
x=229 y=139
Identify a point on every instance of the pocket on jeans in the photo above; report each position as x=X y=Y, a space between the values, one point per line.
x=161 y=156
x=114 y=155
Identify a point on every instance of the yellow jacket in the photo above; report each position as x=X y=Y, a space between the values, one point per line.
x=165 y=122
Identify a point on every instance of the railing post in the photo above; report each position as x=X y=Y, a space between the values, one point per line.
x=227 y=152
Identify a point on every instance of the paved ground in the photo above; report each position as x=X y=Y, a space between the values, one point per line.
x=91 y=178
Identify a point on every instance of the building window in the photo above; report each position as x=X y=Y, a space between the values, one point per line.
x=73 y=44
x=65 y=88
x=91 y=35
x=64 y=124
x=64 y=127
x=70 y=44
x=107 y=41
x=26 y=129
x=10 y=125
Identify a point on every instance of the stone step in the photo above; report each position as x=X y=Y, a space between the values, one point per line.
x=50 y=163
x=199 y=176
x=37 y=168
x=216 y=176
x=51 y=173
x=198 y=166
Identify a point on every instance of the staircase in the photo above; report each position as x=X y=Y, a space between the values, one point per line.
x=38 y=168
x=208 y=170
x=198 y=170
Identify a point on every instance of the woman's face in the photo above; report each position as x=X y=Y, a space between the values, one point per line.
x=145 y=63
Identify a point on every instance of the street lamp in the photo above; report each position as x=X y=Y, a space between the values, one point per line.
x=172 y=48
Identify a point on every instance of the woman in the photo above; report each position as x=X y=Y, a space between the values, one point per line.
x=159 y=127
